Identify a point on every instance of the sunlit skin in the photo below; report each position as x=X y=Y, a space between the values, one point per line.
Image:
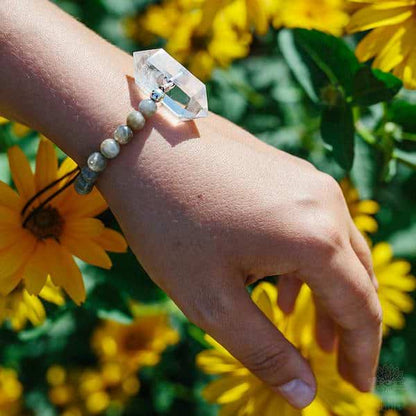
x=205 y=206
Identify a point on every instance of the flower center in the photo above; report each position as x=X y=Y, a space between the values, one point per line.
x=134 y=342
x=46 y=223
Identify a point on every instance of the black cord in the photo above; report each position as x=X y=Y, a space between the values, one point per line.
x=47 y=200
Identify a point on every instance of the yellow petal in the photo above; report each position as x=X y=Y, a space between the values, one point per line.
x=365 y=223
x=21 y=172
x=35 y=310
x=382 y=254
x=111 y=240
x=52 y=294
x=9 y=218
x=87 y=250
x=15 y=257
x=265 y=297
x=226 y=389
x=401 y=300
x=83 y=227
x=215 y=362
x=65 y=272
x=9 y=198
x=372 y=17
x=46 y=164
x=368 y=207
x=35 y=273
x=20 y=130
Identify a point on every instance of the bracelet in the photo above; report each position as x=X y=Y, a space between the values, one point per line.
x=157 y=73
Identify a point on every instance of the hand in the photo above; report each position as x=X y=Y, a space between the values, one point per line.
x=209 y=211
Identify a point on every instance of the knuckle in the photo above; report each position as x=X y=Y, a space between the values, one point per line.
x=210 y=310
x=331 y=187
x=267 y=362
x=326 y=236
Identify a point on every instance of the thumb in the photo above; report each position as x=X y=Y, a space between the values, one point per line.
x=239 y=325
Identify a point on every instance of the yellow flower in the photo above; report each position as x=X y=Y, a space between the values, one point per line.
x=31 y=250
x=324 y=15
x=90 y=391
x=200 y=34
x=240 y=393
x=10 y=393
x=394 y=281
x=361 y=211
x=135 y=345
x=392 y=39
x=19 y=307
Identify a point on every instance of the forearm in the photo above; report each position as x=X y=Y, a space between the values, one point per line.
x=60 y=78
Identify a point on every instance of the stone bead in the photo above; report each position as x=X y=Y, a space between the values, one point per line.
x=147 y=107
x=123 y=134
x=109 y=148
x=89 y=175
x=97 y=162
x=135 y=120
x=157 y=95
x=82 y=187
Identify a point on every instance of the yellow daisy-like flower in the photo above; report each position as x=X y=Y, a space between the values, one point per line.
x=325 y=15
x=19 y=307
x=362 y=211
x=91 y=391
x=200 y=34
x=392 y=39
x=395 y=281
x=10 y=393
x=31 y=250
x=240 y=393
x=135 y=345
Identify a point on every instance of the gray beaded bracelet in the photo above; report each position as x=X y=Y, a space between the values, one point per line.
x=156 y=72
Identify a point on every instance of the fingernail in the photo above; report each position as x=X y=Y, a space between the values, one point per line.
x=298 y=393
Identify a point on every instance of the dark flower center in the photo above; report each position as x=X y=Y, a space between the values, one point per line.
x=45 y=223
x=135 y=342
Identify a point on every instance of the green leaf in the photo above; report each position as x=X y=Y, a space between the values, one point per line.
x=298 y=64
x=108 y=303
x=337 y=130
x=404 y=114
x=372 y=86
x=367 y=169
x=331 y=55
x=408 y=158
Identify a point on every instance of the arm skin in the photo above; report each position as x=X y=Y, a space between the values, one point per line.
x=205 y=206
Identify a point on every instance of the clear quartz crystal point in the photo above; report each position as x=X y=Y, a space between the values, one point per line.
x=155 y=68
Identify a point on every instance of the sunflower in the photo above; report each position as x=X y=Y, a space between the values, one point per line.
x=42 y=244
x=19 y=307
x=240 y=393
x=394 y=281
x=392 y=38
x=201 y=34
x=362 y=211
x=10 y=393
x=135 y=345
x=325 y=15
x=90 y=391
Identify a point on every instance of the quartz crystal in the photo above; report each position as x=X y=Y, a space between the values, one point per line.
x=155 y=68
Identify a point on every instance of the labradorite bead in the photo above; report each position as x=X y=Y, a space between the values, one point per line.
x=82 y=187
x=123 y=134
x=136 y=120
x=89 y=175
x=109 y=148
x=147 y=107
x=97 y=162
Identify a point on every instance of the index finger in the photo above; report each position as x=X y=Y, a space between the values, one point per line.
x=342 y=286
